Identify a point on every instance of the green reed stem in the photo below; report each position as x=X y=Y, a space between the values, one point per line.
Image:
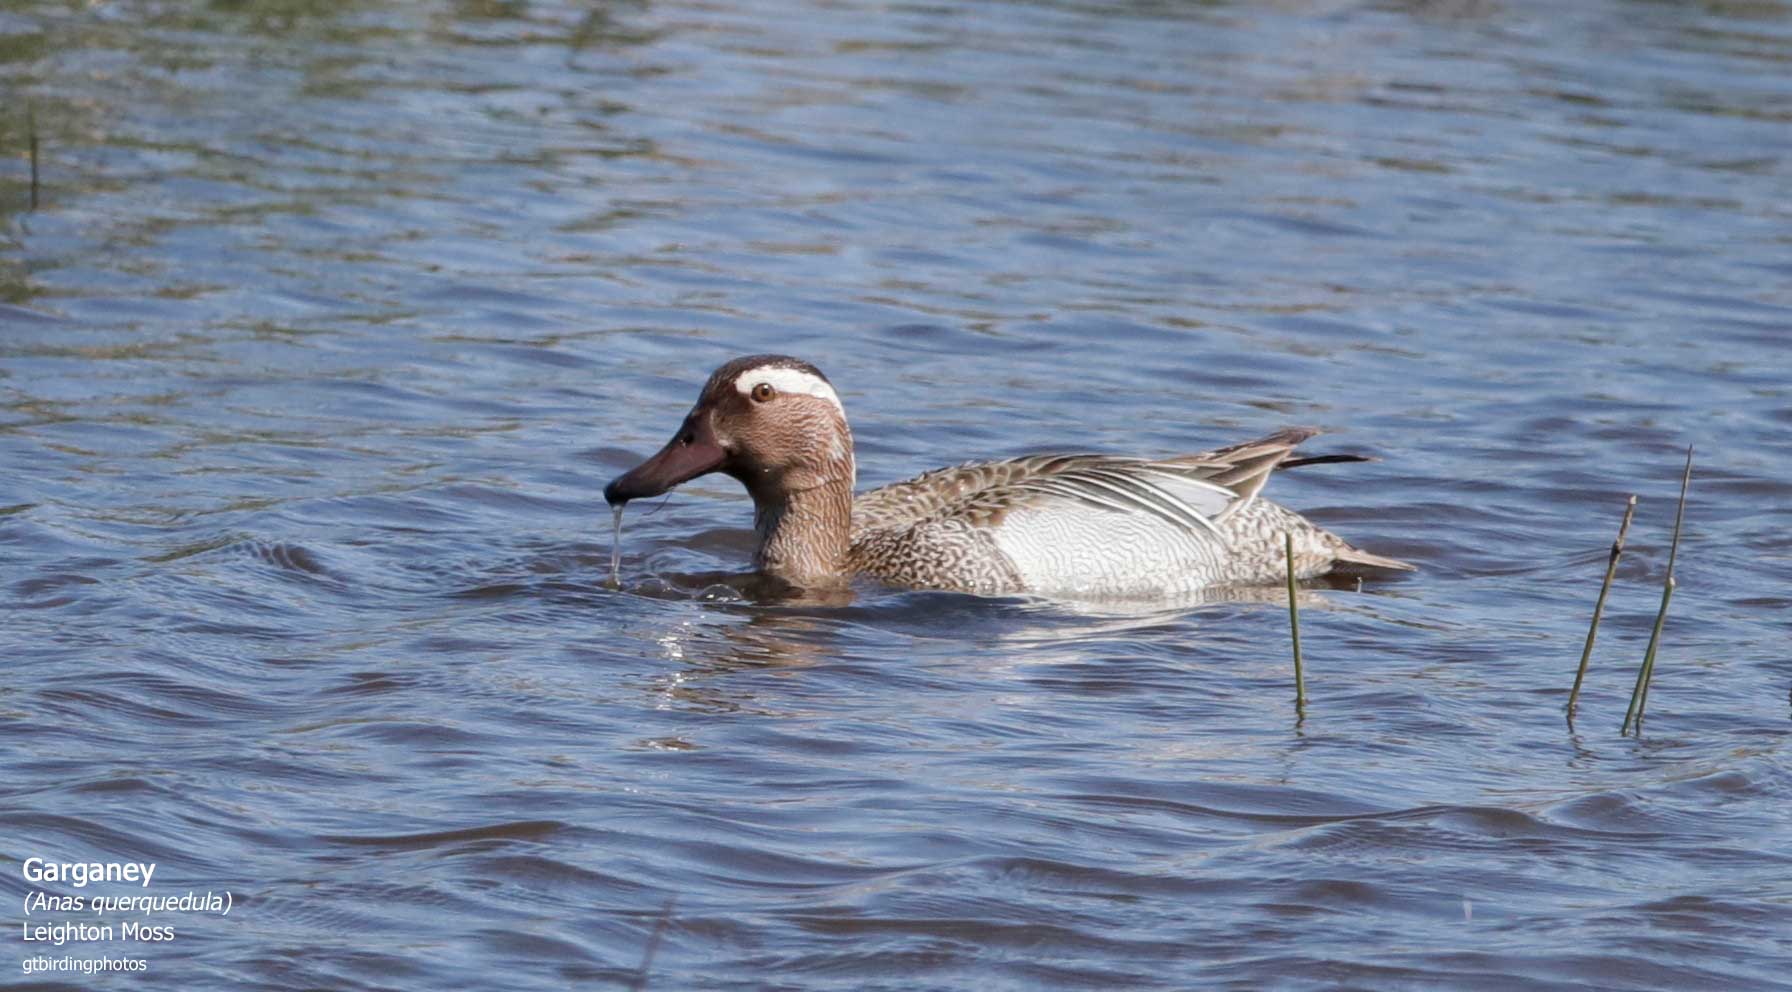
x=1639 y=696
x=1611 y=569
x=1669 y=586
x=1300 y=679
x=1646 y=674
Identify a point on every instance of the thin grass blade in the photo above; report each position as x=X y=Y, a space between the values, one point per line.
x=1611 y=569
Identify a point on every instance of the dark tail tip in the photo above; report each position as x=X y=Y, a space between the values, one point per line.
x=1289 y=463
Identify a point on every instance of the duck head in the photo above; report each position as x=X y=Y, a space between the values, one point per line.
x=771 y=421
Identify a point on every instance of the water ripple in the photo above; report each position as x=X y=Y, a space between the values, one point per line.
x=329 y=326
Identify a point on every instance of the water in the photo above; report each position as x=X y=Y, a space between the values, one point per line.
x=333 y=323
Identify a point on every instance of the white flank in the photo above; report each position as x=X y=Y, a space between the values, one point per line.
x=786 y=380
x=1061 y=548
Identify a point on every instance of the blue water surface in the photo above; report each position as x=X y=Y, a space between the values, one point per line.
x=331 y=321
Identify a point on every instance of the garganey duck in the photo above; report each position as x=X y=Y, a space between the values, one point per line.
x=1078 y=526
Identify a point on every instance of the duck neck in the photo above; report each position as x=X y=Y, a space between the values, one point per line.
x=804 y=533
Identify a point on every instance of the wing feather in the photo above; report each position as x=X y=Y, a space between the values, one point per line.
x=1192 y=493
x=1131 y=493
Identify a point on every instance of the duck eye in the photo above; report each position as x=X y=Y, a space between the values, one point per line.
x=763 y=392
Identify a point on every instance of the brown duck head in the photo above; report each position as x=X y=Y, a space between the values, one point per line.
x=771 y=421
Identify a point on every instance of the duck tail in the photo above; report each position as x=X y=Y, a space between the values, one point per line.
x=1245 y=468
x=1348 y=555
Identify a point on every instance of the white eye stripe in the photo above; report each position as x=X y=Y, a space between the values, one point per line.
x=786 y=380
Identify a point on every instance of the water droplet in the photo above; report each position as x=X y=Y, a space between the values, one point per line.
x=616 y=546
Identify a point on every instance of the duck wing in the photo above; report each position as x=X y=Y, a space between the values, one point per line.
x=1193 y=493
